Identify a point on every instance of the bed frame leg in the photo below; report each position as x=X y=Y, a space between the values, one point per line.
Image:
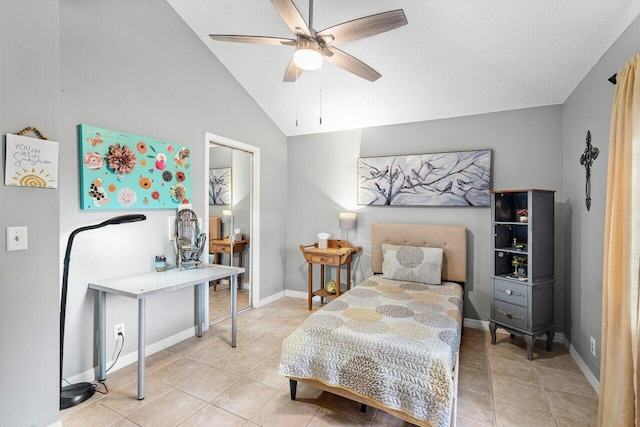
x=293 y=384
x=363 y=407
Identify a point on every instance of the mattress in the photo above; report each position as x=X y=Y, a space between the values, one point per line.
x=389 y=341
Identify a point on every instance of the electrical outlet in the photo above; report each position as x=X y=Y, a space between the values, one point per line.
x=16 y=239
x=593 y=346
x=117 y=329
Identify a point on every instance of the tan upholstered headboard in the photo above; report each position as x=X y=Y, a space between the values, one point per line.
x=451 y=238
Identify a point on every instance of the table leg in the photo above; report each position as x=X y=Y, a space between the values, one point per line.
x=102 y=333
x=321 y=281
x=348 y=275
x=141 y=355
x=234 y=308
x=240 y=276
x=199 y=308
x=310 y=283
x=529 y=340
x=338 y=280
x=216 y=260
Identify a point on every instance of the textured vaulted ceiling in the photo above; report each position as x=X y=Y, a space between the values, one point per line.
x=454 y=58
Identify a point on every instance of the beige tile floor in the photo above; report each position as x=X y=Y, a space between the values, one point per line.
x=220 y=300
x=204 y=382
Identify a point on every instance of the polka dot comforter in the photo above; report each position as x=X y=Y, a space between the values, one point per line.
x=390 y=341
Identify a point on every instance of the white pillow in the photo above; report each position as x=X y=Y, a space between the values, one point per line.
x=412 y=264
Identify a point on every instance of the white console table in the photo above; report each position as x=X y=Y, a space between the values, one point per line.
x=140 y=286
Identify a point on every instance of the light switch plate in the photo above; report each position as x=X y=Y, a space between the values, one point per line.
x=16 y=239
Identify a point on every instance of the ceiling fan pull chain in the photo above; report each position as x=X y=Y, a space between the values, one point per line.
x=320 y=96
x=297 y=96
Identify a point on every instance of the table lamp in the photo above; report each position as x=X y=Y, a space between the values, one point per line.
x=227 y=218
x=348 y=221
x=74 y=394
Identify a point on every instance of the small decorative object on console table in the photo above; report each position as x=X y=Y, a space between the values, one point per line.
x=337 y=253
x=523 y=265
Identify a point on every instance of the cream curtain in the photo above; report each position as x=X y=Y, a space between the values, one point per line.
x=620 y=368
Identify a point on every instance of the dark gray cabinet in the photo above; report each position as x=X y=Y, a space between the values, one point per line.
x=522 y=246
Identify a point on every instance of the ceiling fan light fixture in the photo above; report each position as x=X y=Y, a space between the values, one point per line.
x=308 y=59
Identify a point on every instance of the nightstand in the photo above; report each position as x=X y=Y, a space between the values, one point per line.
x=337 y=254
x=222 y=246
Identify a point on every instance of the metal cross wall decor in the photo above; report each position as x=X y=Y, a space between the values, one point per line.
x=587 y=158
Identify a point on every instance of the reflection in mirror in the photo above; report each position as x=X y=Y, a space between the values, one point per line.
x=229 y=225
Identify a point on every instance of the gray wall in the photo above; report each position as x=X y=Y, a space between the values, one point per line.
x=29 y=280
x=138 y=68
x=527 y=153
x=589 y=109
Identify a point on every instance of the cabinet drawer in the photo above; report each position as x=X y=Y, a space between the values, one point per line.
x=219 y=248
x=515 y=293
x=325 y=259
x=510 y=315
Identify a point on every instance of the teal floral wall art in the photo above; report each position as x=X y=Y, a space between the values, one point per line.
x=126 y=171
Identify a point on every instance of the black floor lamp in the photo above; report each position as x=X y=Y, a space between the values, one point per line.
x=74 y=394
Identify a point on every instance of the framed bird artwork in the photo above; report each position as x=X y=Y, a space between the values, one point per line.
x=460 y=178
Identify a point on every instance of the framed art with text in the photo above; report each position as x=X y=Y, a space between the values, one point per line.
x=126 y=171
x=461 y=178
x=31 y=162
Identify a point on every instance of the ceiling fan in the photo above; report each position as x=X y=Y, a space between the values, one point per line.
x=313 y=47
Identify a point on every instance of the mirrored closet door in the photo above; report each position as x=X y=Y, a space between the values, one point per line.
x=230 y=225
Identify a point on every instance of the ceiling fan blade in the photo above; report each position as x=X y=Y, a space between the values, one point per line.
x=253 y=39
x=363 y=27
x=326 y=52
x=354 y=66
x=292 y=17
x=291 y=75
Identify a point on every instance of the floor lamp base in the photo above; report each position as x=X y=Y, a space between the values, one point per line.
x=75 y=394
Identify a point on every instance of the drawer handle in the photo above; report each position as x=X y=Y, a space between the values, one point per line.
x=321 y=259
x=510 y=315
x=510 y=292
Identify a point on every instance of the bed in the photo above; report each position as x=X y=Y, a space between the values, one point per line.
x=391 y=344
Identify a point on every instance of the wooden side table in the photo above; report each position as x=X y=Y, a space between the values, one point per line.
x=222 y=246
x=338 y=253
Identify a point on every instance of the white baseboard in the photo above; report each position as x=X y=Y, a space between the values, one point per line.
x=559 y=337
x=272 y=298
x=484 y=325
x=296 y=294
x=129 y=358
x=595 y=383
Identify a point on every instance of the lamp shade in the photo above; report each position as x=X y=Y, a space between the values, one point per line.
x=348 y=220
x=307 y=56
x=226 y=216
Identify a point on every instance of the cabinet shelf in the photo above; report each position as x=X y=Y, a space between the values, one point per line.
x=324 y=294
x=523 y=279
x=512 y=250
